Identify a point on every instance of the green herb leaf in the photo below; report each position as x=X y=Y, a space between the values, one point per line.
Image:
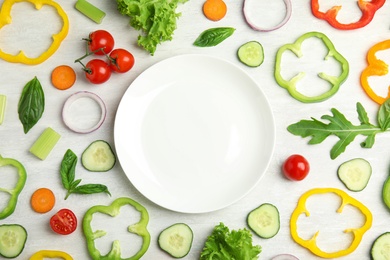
x=384 y=115
x=213 y=36
x=91 y=188
x=31 y=104
x=68 y=169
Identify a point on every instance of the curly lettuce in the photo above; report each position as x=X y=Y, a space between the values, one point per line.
x=155 y=19
x=224 y=244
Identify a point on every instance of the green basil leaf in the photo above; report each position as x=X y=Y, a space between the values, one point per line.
x=68 y=169
x=91 y=188
x=384 y=115
x=213 y=36
x=31 y=104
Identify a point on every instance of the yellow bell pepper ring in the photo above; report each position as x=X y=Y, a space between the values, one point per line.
x=44 y=254
x=311 y=244
x=5 y=18
x=376 y=67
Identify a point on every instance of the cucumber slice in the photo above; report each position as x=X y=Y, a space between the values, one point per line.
x=355 y=174
x=176 y=240
x=251 y=54
x=264 y=220
x=386 y=192
x=12 y=240
x=380 y=248
x=98 y=157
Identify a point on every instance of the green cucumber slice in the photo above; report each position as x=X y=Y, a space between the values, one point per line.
x=98 y=157
x=176 y=240
x=355 y=174
x=12 y=240
x=264 y=220
x=251 y=54
x=380 y=249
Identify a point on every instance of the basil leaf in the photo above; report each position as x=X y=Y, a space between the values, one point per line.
x=213 y=36
x=68 y=169
x=384 y=115
x=31 y=104
x=91 y=188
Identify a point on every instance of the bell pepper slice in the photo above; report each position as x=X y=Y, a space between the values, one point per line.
x=139 y=228
x=311 y=243
x=368 y=9
x=376 y=67
x=15 y=191
x=44 y=254
x=291 y=85
x=5 y=18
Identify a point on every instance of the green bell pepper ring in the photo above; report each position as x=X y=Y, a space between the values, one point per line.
x=113 y=210
x=291 y=85
x=14 y=193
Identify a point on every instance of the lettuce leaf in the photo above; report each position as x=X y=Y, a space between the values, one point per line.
x=155 y=19
x=224 y=244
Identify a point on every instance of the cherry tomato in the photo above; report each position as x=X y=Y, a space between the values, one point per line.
x=100 y=39
x=97 y=71
x=296 y=167
x=64 y=222
x=121 y=60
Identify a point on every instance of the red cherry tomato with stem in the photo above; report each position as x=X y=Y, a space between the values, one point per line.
x=100 y=40
x=296 y=167
x=64 y=222
x=97 y=71
x=121 y=60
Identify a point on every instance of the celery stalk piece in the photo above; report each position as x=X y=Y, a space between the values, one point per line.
x=45 y=143
x=90 y=11
x=3 y=103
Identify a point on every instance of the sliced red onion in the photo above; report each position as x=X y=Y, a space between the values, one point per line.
x=261 y=29
x=74 y=97
x=285 y=257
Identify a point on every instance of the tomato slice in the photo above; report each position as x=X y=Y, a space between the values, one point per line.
x=64 y=222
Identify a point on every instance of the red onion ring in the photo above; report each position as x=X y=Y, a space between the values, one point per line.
x=74 y=97
x=258 y=28
x=284 y=257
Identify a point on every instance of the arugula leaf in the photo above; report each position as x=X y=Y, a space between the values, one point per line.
x=342 y=128
x=224 y=244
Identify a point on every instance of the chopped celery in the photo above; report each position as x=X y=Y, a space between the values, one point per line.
x=45 y=143
x=3 y=102
x=89 y=10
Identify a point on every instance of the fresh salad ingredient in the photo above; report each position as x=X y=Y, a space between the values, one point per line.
x=17 y=189
x=311 y=244
x=355 y=174
x=225 y=244
x=213 y=36
x=66 y=117
x=31 y=104
x=97 y=71
x=156 y=20
x=251 y=54
x=3 y=105
x=386 y=192
x=45 y=143
x=380 y=248
x=214 y=10
x=248 y=7
x=68 y=173
x=13 y=238
x=90 y=11
x=176 y=240
x=343 y=129
x=98 y=157
x=100 y=42
x=375 y=67
x=121 y=60
x=285 y=257
x=64 y=222
x=291 y=84
x=264 y=220
x=5 y=14
x=44 y=254
x=139 y=228
x=368 y=9
x=296 y=167
x=63 y=77
x=42 y=200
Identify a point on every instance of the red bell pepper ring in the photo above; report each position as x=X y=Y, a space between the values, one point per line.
x=368 y=10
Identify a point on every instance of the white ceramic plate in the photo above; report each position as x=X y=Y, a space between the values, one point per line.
x=194 y=133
